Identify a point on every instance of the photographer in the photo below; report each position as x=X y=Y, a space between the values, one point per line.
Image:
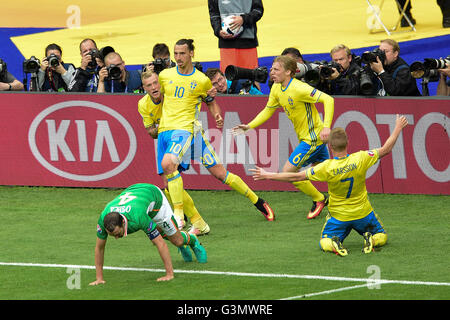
x=85 y=78
x=347 y=81
x=443 y=88
x=393 y=71
x=161 y=58
x=54 y=75
x=7 y=81
x=114 y=77
x=225 y=86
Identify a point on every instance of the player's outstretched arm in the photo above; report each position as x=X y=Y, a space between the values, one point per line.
x=261 y=174
x=165 y=257
x=262 y=117
x=99 y=259
x=400 y=123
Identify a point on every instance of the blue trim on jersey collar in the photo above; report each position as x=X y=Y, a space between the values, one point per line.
x=286 y=86
x=186 y=75
x=337 y=158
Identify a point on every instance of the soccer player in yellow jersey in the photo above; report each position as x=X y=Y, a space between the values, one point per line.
x=150 y=108
x=297 y=99
x=349 y=205
x=180 y=135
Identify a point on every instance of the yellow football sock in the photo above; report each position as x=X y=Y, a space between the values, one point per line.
x=236 y=183
x=326 y=244
x=192 y=213
x=379 y=239
x=308 y=188
x=175 y=185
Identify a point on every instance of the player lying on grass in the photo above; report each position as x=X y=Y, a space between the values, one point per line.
x=349 y=206
x=144 y=207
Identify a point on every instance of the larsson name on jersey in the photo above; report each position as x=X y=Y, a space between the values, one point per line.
x=344 y=169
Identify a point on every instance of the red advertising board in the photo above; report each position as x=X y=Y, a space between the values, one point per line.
x=94 y=140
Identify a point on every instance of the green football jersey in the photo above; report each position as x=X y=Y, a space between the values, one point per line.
x=137 y=204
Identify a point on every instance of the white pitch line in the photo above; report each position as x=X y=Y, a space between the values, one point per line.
x=227 y=273
x=325 y=292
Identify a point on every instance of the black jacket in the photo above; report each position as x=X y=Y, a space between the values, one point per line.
x=397 y=79
x=84 y=81
x=246 y=41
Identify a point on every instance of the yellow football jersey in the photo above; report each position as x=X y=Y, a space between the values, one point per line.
x=297 y=100
x=346 y=178
x=183 y=96
x=150 y=112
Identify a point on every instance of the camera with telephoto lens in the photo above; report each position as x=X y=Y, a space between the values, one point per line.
x=436 y=63
x=371 y=56
x=94 y=53
x=319 y=70
x=31 y=65
x=259 y=74
x=53 y=60
x=114 y=72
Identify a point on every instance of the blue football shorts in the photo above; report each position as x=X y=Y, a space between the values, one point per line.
x=334 y=227
x=186 y=147
x=305 y=154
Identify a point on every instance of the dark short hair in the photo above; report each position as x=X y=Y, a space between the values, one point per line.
x=293 y=51
x=53 y=46
x=112 y=220
x=211 y=72
x=160 y=49
x=188 y=42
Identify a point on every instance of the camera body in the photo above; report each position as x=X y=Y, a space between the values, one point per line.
x=114 y=72
x=259 y=74
x=31 y=65
x=371 y=56
x=53 y=60
x=94 y=53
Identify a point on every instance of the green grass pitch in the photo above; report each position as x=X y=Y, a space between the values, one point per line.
x=248 y=257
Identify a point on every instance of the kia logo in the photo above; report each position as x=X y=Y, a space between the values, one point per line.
x=85 y=148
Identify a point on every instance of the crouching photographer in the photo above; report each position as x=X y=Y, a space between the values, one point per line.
x=54 y=75
x=226 y=86
x=114 y=77
x=393 y=71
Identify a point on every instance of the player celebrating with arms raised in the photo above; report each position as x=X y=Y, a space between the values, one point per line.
x=297 y=99
x=180 y=135
x=349 y=203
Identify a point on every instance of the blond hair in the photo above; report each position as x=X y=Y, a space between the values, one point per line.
x=338 y=139
x=147 y=74
x=341 y=47
x=288 y=63
x=394 y=44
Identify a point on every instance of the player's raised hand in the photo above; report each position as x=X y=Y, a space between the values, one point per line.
x=401 y=121
x=240 y=129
